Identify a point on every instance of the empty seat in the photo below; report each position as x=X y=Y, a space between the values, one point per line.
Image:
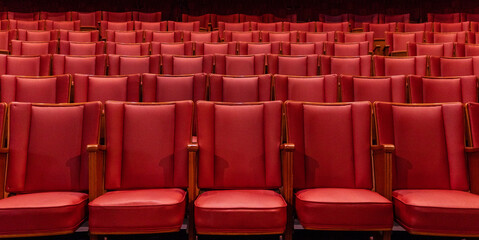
x=414 y=27
x=458 y=66
x=117 y=16
x=298 y=65
x=5 y=39
x=251 y=18
x=87 y=19
x=442 y=89
x=90 y=88
x=291 y=36
x=306 y=88
x=215 y=18
x=37 y=35
x=128 y=48
x=394 y=18
x=389 y=66
x=473 y=140
x=201 y=36
x=243 y=188
x=215 y=48
x=124 y=65
x=162 y=36
x=22 y=24
x=305 y=27
x=237 y=27
x=45 y=89
x=167 y=88
x=56 y=16
x=172 y=48
x=444 y=17
x=360 y=65
x=148 y=196
x=358 y=20
x=269 y=27
x=306 y=48
x=334 y=18
x=397 y=42
x=452 y=27
x=62 y=25
x=125 y=36
x=259 y=48
x=431 y=49
x=387 y=89
x=178 y=65
x=250 y=36
x=205 y=19
x=466 y=50
x=115 y=26
x=240 y=64
x=317 y=36
x=473 y=17
x=379 y=29
x=430 y=179
x=147 y=16
x=337 y=27
x=332 y=141
x=151 y=26
x=82 y=48
x=33 y=48
x=23 y=15
x=50 y=186
x=443 y=37
x=183 y=26
x=93 y=64
x=253 y=88
x=80 y=36
x=25 y=65
x=357 y=37
x=347 y=49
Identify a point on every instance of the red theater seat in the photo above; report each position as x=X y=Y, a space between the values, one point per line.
x=25 y=65
x=441 y=89
x=205 y=20
x=334 y=18
x=269 y=27
x=115 y=26
x=125 y=36
x=444 y=17
x=431 y=49
x=306 y=88
x=56 y=16
x=358 y=20
x=388 y=89
x=50 y=187
x=167 y=88
x=201 y=36
x=259 y=48
x=93 y=64
x=360 y=65
x=458 y=66
x=37 y=35
x=145 y=183
x=62 y=25
x=240 y=64
x=317 y=36
x=117 y=16
x=136 y=49
x=305 y=27
x=208 y=48
x=147 y=16
x=430 y=179
x=33 y=48
x=336 y=27
x=151 y=26
x=415 y=27
x=452 y=27
x=250 y=36
x=279 y=36
x=23 y=24
x=253 y=88
x=380 y=29
x=124 y=65
x=178 y=65
x=332 y=141
x=48 y=89
x=80 y=36
x=5 y=39
x=347 y=49
x=232 y=18
x=297 y=65
x=389 y=66
x=388 y=18
x=397 y=42
x=443 y=37
x=23 y=15
x=82 y=48
x=306 y=48
x=184 y=26
x=172 y=48
x=466 y=50
x=163 y=37
x=90 y=88
x=87 y=19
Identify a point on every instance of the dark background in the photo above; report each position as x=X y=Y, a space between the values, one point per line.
x=307 y=10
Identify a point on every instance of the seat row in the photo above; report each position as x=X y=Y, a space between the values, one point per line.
x=225 y=88
x=244 y=172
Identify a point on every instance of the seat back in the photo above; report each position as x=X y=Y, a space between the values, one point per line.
x=240 y=64
x=254 y=88
x=147 y=16
x=80 y=36
x=297 y=65
x=431 y=49
x=184 y=26
x=25 y=65
x=117 y=16
x=452 y=27
x=178 y=65
x=379 y=29
x=347 y=49
x=306 y=48
x=360 y=65
x=250 y=36
x=358 y=20
x=82 y=48
x=59 y=164
x=204 y=19
x=387 y=89
x=398 y=41
x=389 y=66
x=223 y=162
x=37 y=35
x=94 y=65
x=317 y=36
x=414 y=27
x=33 y=48
x=215 y=48
x=305 y=27
x=291 y=36
x=200 y=36
x=444 y=17
x=429 y=144
x=443 y=37
x=172 y=48
x=49 y=89
x=102 y=88
x=164 y=37
x=336 y=27
x=404 y=18
x=167 y=88
x=457 y=66
x=151 y=26
x=306 y=88
x=331 y=142
x=125 y=36
x=125 y=65
x=87 y=19
x=439 y=90
x=62 y=25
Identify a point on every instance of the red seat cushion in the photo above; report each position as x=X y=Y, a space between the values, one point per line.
x=437 y=211
x=240 y=211
x=343 y=208
x=42 y=213
x=134 y=211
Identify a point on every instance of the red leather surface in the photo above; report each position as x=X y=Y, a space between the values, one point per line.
x=240 y=89
x=41 y=90
x=388 y=89
x=311 y=89
x=431 y=90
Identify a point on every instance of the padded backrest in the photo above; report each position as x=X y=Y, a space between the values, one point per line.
x=444 y=17
x=215 y=48
x=134 y=49
x=124 y=36
x=147 y=144
x=258 y=48
x=240 y=64
x=446 y=37
x=398 y=41
x=87 y=19
x=337 y=27
x=360 y=65
x=33 y=48
x=431 y=49
x=117 y=16
x=80 y=36
x=225 y=131
x=4 y=40
x=442 y=66
x=102 y=88
x=94 y=65
x=51 y=89
x=26 y=24
x=452 y=27
x=164 y=37
x=82 y=48
x=250 y=36
x=429 y=144
x=305 y=27
x=298 y=65
x=317 y=37
x=347 y=49
x=279 y=36
x=473 y=115
x=397 y=18
x=152 y=26
x=204 y=19
x=25 y=65
x=203 y=37
x=56 y=16
x=171 y=48
x=147 y=16
x=438 y=90
x=184 y=26
x=36 y=35
x=62 y=25
x=387 y=89
x=166 y=88
x=306 y=88
x=59 y=164
x=415 y=27
x=331 y=142
x=178 y=65
x=388 y=66
x=124 y=65
x=379 y=29
x=225 y=88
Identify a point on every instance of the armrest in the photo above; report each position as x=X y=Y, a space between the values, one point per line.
x=471 y=149
x=386 y=50
x=472 y=154
x=287 y=150
x=192 y=147
x=192 y=187
x=287 y=147
x=96 y=169
x=3 y=171
x=382 y=163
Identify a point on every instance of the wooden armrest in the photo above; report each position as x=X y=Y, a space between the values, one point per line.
x=472 y=154
x=3 y=150
x=471 y=149
x=382 y=162
x=193 y=147
x=287 y=147
x=3 y=171
x=96 y=169
x=193 y=190
x=287 y=190
x=95 y=148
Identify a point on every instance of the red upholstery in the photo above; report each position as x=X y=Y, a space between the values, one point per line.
x=166 y=88
x=444 y=17
x=270 y=26
x=94 y=65
x=291 y=36
x=442 y=66
x=414 y=27
x=204 y=19
x=5 y=41
x=452 y=27
x=432 y=90
x=124 y=65
x=135 y=49
x=23 y=24
x=159 y=167
x=467 y=50
x=310 y=89
x=398 y=41
x=117 y=16
x=235 y=27
x=258 y=129
x=87 y=19
x=326 y=203
x=172 y=48
x=357 y=37
x=151 y=26
x=358 y=20
x=52 y=89
x=163 y=37
x=23 y=16
x=215 y=48
x=147 y=16
x=387 y=89
x=436 y=37
x=25 y=65
x=56 y=172
x=250 y=36
x=56 y=16
x=202 y=37
x=404 y=18
x=115 y=26
x=36 y=35
x=431 y=49
x=33 y=48
x=317 y=36
x=379 y=29
x=240 y=64
x=102 y=88
x=258 y=48
x=347 y=49
x=307 y=48
x=82 y=48
x=62 y=25
x=305 y=27
x=184 y=26
x=298 y=65
x=80 y=36
x=232 y=18
x=240 y=88
x=124 y=36
x=360 y=65
x=473 y=112
x=178 y=65
x=337 y=27
x=334 y=18
x=388 y=66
